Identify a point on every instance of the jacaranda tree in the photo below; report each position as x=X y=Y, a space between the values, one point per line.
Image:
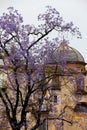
x=25 y=50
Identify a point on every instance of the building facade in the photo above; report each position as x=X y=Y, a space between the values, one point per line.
x=69 y=88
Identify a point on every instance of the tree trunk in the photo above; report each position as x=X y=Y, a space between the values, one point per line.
x=16 y=128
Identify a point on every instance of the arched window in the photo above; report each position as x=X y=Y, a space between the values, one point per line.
x=56 y=99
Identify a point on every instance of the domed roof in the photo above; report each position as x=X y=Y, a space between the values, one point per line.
x=65 y=53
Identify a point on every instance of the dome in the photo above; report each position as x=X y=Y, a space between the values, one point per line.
x=65 y=53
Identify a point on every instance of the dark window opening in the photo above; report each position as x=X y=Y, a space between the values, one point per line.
x=55 y=99
x=81 y=107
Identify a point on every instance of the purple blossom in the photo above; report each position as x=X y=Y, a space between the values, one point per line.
x=26 y=50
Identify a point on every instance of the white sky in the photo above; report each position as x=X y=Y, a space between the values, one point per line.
x=71 y=10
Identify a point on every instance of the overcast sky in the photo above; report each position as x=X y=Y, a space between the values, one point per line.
x=71 y=10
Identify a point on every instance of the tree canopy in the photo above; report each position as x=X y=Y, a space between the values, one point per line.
x=25 y=50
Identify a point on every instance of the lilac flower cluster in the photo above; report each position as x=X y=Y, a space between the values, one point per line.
x=25 y=53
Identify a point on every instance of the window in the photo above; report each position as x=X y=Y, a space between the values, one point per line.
x=80 y=82
x=56 y=99
x=40 y=98
x=42 y=103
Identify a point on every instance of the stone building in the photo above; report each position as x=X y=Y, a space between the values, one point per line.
x=69 y=88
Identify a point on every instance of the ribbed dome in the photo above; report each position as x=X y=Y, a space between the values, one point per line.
x=66 y=53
